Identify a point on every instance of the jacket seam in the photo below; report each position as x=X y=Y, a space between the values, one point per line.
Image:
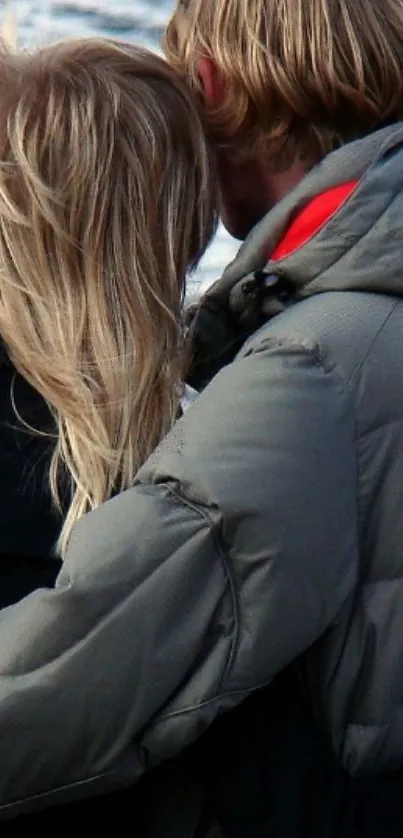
x=229 y=575
x=44 y=795
x=308 y=349
x=210 y=701
x=315 y=354
x=373 y=342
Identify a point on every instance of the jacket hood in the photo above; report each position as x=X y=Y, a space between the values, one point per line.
x=361 y=245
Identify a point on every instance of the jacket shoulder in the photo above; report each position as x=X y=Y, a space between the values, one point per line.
x=341 y=328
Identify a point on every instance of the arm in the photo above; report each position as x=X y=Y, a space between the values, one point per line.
x=231 y=555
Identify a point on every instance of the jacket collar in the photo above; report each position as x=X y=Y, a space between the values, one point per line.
x=352 y=207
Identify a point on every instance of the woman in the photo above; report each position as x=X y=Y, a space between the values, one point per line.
x=106 y=202
x=100 y=149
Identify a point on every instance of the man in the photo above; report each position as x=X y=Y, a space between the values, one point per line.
x=266 y=530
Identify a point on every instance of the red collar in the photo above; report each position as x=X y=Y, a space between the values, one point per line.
x=312 y=218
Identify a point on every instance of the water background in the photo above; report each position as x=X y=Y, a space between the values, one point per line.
x=142 y=21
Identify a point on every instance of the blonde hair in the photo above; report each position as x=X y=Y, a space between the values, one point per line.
x=300 y=76
x=106 y=200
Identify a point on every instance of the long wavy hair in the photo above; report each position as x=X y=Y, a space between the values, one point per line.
x=107 y=199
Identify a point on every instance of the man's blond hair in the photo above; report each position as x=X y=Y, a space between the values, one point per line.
x=107 y=198
x=300 y=76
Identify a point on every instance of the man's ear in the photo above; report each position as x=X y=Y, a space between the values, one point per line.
x=212 y=82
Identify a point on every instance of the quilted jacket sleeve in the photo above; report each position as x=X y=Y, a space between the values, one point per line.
x=232 y=553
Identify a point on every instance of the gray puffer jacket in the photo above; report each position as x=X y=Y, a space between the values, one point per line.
x=267 y=528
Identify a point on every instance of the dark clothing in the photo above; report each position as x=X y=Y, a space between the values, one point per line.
x=19 y=575
x=29 y=525
x=268 y=772
x=262 y=771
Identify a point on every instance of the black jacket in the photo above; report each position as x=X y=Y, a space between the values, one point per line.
x=29 y=525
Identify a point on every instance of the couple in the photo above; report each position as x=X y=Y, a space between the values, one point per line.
x=260 y=534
